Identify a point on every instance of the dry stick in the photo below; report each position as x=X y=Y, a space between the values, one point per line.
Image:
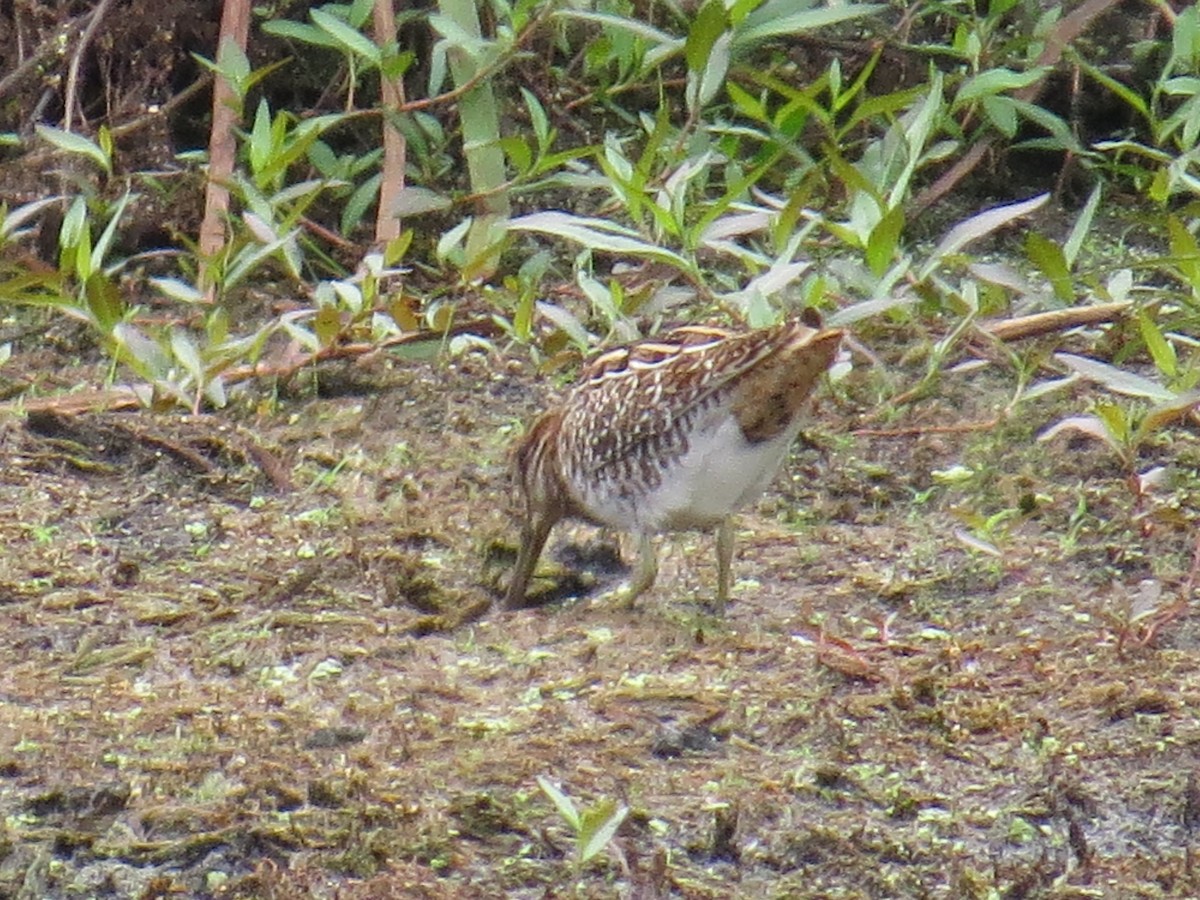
x=1054 y=321
x=78 y=402
x=222 y=146
x=164 y=109
x=327 y=234
x=77 y=59
x=387 y=223
x=1071 y=27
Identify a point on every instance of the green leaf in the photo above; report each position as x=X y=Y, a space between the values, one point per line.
x=350 y=39
x=144 y=354
x=327 y=324
x=740 y=9
x=82 y=261
x=74 y=225
x=77 y=144
x=1185 y=253
x=523 y=317
x=39 y=289
x=261 y=145
x=359 y=202
x=598 y=826
x=1048 y=258
x=537 y=119
x=299 y=31
x=358 y=12
x=233 y=66
x=177 y=289
x=395 y=66
x=251 y=256
x=635 y=27
x=518 y=153
x=978 y=226
x=105 y=139
x=1166 y=413
x=781 y=17
x=183 y=346
x=1119 y=381
x=450 y=245
x=1083 y=224
x=1133 y=99
x=712 y=76
x=747 y=104
x=214 y=391
x=1160 y=186
x=1002 y=114
x=710 y=23
x=457 y=37
x=564 y=805
x=881 y=245
x=12 y=220
x=597 y=234
x=995 y=81
x=1185 y=39
x=851 y=177
x=883 y=107
x=1061 y=136
x=397 y=247
x=326 y=161
x=414 y=201
x=600 y=296
x=109 y=234
x=1116 y=421
x=1161 y=350
x=567 y=323
x=104 y=301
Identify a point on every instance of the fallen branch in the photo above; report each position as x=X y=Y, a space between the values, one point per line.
x=1054 y=321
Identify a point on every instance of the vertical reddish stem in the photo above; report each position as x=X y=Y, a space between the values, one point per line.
x=222 y=147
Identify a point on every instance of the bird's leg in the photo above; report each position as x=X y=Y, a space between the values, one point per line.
x=533 y=538
x=644 y=573
x=724 y=563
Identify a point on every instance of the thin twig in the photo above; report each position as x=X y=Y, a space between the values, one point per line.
x=470 y=84
x=164 y=109
x=100 y=11
x=961 y=428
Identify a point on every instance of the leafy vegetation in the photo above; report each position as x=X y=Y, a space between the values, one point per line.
x=771 y=185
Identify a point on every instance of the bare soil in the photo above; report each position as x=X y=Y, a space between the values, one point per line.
x=253 y=655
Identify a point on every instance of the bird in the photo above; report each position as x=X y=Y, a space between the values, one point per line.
x=673 y=433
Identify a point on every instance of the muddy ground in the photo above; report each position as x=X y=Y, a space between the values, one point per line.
x=250 y=655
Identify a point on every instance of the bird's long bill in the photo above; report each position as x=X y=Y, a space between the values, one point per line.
x=769 y=399
x=533 y=539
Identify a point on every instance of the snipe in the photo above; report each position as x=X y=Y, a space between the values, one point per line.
x=668 y=434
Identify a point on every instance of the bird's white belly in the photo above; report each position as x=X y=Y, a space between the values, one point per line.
x=719 y=473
